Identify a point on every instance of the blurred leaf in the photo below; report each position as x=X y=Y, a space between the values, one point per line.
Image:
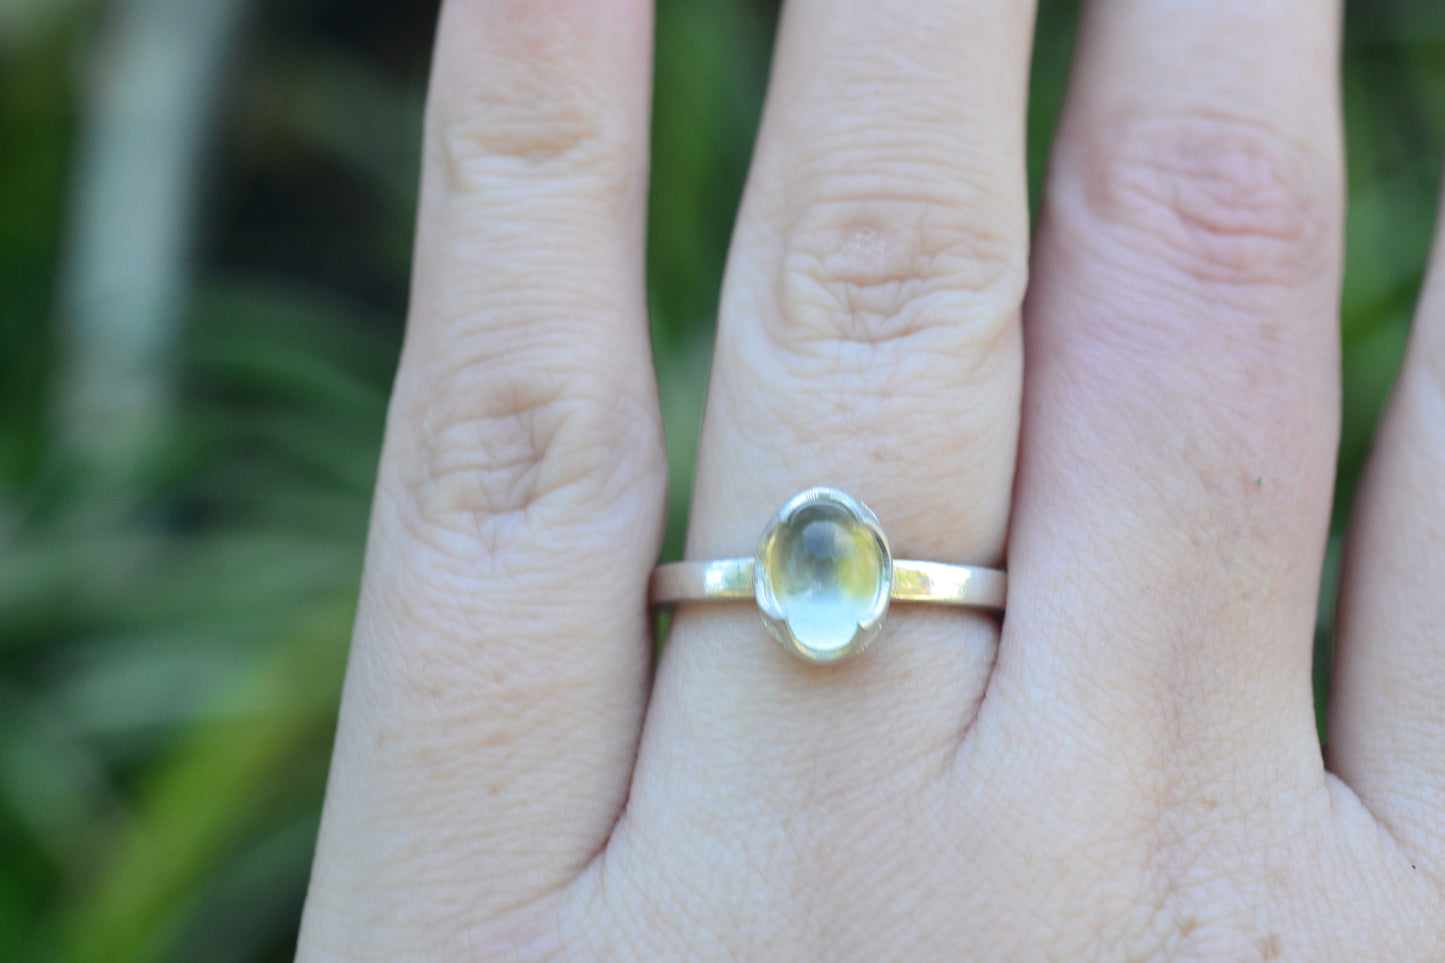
x=36 y=114
x=712 y=64
x=348 y=108
x=226 y=780
x=25 y=23
x=248 y=909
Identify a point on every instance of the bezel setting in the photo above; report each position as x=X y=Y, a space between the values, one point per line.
x=774 y=609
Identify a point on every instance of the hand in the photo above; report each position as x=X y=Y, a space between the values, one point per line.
x=1129 y=768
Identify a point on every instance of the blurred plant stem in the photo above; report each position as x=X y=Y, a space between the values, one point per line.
x=156 y=75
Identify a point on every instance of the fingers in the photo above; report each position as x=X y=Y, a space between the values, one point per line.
x=501 y=651
x=868 y=340
x=1387 y=700
x=1181 y=394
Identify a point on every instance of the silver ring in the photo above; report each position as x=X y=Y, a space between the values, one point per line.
x=823 y=578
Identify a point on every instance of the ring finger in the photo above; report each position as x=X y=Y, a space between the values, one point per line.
x=868 y=340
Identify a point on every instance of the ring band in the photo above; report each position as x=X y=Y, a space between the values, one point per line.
x=732 y=580
x=823 y=578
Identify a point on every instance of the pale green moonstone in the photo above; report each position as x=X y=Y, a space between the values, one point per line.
x=824 y=568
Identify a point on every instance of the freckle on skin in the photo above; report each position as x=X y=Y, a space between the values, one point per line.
x=1187 y=925
x=1269 y=949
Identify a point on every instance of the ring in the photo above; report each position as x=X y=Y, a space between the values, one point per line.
x=823 y=577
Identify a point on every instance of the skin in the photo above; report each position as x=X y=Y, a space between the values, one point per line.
x=1140 y=401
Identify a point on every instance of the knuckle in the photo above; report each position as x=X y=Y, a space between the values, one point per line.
x=864 y=275
x=485 y=447
x=497 y=445
x=528 y=128
x=1220 y=199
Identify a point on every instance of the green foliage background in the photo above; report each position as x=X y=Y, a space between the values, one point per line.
x=174 y=620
